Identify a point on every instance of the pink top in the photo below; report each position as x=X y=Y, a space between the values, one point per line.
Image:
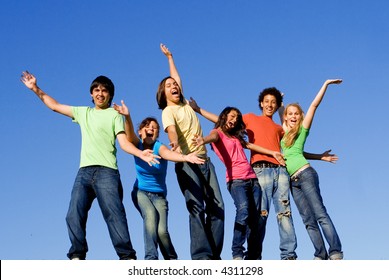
x=231 y=153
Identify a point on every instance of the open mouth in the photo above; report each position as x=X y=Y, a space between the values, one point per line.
x=230 y=125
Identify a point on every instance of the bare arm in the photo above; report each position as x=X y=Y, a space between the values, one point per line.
x=277 y=155
x=212 y=137
x=128 y=147
x=208 y=115
x=30 y=82
x=325 y=156
x=281 y=110
x=128 y=125
x=316 y=102
x=172 y=66
x=173 y=138
x=177 y=157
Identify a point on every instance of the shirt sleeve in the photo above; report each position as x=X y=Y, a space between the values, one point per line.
x=167 y=118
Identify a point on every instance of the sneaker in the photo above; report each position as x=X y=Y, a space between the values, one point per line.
x=237 y=258
x=336 y=256
x=75 y=259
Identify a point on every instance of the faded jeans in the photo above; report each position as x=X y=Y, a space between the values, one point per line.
x=247 y=197
x=306 y=194
x=199 y=185
x=275 y=185
x=104 y=184
x=154 y=210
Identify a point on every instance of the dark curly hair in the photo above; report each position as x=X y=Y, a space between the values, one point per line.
x=270 y=91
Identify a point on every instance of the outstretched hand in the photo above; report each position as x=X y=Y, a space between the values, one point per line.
x=193 y=158
x=334 y=81
x=28 y=80
x=165 y=50
x=148 y=156
x=197 y=140
x=123 y=110
x=175 y=147
x=192 y=103
x=326 y=156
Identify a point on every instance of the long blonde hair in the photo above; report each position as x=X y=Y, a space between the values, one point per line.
x=291 y=135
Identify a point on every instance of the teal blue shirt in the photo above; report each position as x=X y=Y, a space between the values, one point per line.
x=151 y=178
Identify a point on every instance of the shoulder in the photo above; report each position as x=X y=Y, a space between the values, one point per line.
x=157 y=145
x=248 y=116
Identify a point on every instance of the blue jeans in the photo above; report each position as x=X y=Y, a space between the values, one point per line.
x=199 y=185
x=104 y=184
x=306 y=194
x=275 y=186
x=247 y=195
x=154 y=210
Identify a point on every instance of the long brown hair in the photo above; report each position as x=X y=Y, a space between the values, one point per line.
x=291 y=135
x=239 y=131
x=161 y=95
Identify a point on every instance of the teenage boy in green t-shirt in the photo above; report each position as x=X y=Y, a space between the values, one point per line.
x=98 y=176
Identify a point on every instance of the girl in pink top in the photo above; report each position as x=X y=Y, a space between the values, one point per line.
x=228 y=142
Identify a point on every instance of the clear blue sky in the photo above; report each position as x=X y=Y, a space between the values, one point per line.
x=226 y=52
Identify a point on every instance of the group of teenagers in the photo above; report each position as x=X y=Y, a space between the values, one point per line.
x=277 y=165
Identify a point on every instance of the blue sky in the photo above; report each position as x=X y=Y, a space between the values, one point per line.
x=226 y=52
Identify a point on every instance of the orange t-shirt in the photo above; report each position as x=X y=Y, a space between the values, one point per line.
x=264 y=132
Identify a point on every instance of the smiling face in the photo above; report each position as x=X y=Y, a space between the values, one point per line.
x=148 y=132
x=293 y=116
x=172 y=92
x=269 y=105
x=101 y=97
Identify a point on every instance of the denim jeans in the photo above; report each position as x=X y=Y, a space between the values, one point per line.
x=275 y=185
x=104 y=184
x=247 y=195
x=306 y=194
x=199 y=185
x=154 y=210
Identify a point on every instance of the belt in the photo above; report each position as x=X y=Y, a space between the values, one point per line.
x=263 y=164
x=298 y=172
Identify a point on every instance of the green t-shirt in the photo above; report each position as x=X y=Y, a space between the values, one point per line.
x=98 y=132
x=294 y=154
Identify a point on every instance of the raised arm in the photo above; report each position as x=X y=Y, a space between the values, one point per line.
x=30 y=82
x=277 y=155
x=128 y=125
x=316 y=102
x=208 y=115
x=281 y=110
x=172 y=67
x=146 y=155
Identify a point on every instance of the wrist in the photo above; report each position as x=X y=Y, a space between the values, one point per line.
x=35 y=88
